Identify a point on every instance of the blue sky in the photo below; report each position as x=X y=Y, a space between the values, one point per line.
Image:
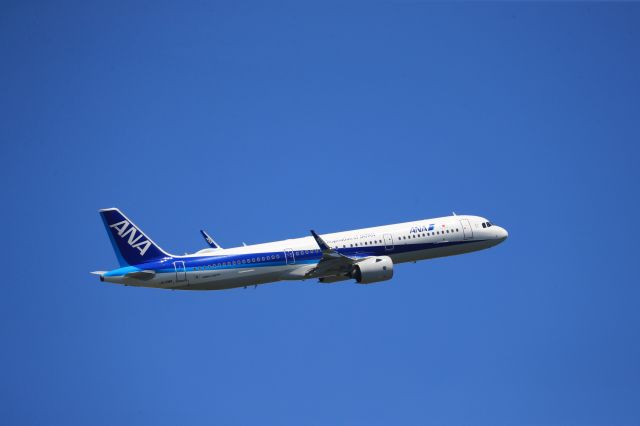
x=260 y=121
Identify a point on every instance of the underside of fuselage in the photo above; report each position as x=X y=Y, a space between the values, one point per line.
x=252 y=276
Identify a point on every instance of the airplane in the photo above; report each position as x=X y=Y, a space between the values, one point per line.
x=365 y=255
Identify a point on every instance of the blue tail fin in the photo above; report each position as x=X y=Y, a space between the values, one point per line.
x=131 y=245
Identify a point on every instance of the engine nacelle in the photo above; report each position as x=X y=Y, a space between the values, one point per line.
x=373 y=270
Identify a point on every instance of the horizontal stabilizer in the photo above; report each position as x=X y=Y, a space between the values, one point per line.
x=141 y=275
x=98 y=272
x=209 y=240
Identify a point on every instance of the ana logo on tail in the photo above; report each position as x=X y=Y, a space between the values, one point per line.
x=125 y=228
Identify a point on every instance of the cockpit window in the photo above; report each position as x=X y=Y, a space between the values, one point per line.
x=484 y=224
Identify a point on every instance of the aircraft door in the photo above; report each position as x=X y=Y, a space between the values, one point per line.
x=388 y=242
x=181 y=273
x=466 y=229
x=289 y=257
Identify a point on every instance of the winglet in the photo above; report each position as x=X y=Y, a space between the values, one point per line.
x=323 y=246
x=209 y=240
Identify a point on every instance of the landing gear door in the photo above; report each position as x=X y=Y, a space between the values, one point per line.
x=466 y=229
x=289 y=257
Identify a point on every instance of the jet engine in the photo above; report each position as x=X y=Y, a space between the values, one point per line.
x=373 y=269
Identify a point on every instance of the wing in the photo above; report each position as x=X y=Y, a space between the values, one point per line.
x=332 y=263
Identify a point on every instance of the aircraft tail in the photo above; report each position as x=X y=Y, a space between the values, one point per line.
x=131 y=245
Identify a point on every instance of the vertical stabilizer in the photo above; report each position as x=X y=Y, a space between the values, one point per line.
x=131 y=245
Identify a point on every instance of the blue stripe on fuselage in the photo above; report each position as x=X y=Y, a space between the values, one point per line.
x=235 y=261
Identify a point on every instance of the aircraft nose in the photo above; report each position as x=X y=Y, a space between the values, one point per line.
x=501 y=233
